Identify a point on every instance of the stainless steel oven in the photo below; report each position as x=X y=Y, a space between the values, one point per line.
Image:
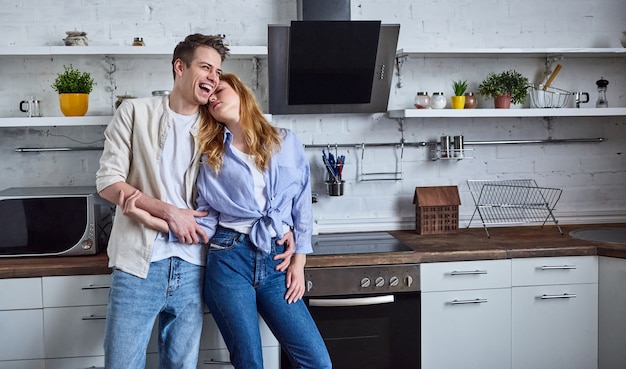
x=369 y=316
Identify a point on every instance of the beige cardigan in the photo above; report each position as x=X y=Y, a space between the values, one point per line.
x=132 y=151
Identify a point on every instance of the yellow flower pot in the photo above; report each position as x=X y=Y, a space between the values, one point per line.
x=73 y=105
x=457 y=102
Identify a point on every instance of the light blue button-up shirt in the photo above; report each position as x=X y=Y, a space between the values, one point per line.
x=229 y=195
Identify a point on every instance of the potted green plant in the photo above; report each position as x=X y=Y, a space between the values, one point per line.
x=74 y=88
x=458 y=100
x=507 y=87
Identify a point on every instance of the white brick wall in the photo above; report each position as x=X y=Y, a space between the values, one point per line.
x=593 y=176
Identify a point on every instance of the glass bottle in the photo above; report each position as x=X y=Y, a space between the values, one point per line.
x=470 y=100
x=438 y=101
x=602 y=102
x=422 y=100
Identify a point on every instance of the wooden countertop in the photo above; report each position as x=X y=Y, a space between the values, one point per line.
x=467 y=244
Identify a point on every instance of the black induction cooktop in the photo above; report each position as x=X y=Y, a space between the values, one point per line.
x=356 y=243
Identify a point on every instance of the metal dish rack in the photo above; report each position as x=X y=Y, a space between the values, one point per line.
x=515 y=201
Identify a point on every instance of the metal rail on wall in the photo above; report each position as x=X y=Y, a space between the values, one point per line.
x=397 y=174
x=362 y=146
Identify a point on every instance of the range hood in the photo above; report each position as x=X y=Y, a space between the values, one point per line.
x=318 y=66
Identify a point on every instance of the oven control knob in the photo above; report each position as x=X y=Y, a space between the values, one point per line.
x=380 y=281
x=365 y=282
x=409 y=281
x=393 y=281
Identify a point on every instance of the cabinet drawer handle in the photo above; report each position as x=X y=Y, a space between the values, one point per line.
x=94 y=317
x=474 y=301
x=563 y=296
x=216 y=362
x=552 y=267
x=468 y=272
x=95 y=287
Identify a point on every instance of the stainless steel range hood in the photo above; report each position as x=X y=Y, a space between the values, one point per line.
x=327 y=64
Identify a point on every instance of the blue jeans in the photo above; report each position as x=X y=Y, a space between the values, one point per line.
x=240 y=284
x=173 y=293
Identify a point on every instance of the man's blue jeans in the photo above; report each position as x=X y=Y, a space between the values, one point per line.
x=173 y=293
x=240 y=284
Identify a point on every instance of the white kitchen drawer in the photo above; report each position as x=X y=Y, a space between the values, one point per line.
x=555 y=326
x=91 y=362
x=555 y=270
x=21 y=335
x=78 y=290
x=23 y=364
x=462 y=329
x=20 y=293
x=465 y=275
x=74 y=331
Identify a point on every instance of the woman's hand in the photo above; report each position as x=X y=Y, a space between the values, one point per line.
x=290 y=248
x=295 y=278
x=130 y=209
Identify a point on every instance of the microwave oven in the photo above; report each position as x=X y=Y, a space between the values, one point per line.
x=53 y=221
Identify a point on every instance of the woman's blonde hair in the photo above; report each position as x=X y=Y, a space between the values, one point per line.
x=260 y=136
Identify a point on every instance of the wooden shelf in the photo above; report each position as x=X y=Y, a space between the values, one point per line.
x=518 y=53
x=512 y=113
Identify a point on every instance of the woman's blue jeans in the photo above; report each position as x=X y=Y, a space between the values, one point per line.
x=173 y=293
x=241 y=284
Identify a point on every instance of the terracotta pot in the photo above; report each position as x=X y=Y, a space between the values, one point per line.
x=502 y=101
x=73 y=105
x=457 y=102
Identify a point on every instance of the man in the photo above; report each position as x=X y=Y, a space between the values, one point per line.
x=151 y=147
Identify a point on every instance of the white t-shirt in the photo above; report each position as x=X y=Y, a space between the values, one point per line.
x=177 y=154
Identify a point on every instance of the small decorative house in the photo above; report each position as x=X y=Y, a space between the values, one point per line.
x=436 y=210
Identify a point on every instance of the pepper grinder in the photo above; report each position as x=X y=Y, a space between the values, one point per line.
x=602 y=102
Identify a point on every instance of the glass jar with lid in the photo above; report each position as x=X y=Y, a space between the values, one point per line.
x=438 y=101
x=422 y=100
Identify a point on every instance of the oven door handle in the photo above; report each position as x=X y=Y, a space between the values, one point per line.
x=358 y=301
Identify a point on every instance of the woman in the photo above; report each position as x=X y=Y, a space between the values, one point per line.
x=255 y=185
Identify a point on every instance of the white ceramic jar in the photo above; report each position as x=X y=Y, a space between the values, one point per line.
x=438 y=101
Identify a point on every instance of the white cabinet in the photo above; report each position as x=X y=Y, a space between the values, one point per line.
x=74 y=319
x=466 y=314
x=21 y=323
x=555 y=313
x=611 y=313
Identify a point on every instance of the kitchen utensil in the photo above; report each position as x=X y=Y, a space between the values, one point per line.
x=578 y=98
x=552 y=76
x=33 y=107
x=445 y=143
x=334 y=188
x=459 y=146
x=551 y=97
x=602 y=101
